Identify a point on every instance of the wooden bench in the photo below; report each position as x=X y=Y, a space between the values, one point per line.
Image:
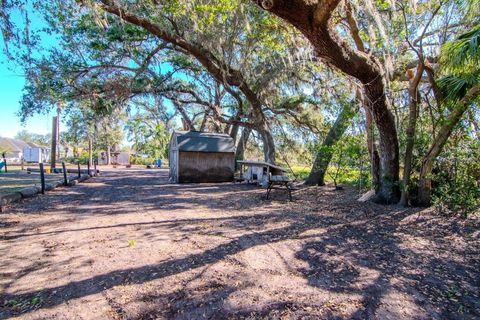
x=280 y=183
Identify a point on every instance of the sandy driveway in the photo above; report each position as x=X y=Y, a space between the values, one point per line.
x=128 y=245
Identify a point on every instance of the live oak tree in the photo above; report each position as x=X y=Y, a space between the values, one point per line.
x=313 y=19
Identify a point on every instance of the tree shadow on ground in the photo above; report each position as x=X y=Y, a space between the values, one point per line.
x=363 y=250
x=352 y=255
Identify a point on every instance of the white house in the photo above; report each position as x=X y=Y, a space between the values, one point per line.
x=36 y=153
x=13 y=149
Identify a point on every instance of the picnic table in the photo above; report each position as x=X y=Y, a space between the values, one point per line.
x=265 y=174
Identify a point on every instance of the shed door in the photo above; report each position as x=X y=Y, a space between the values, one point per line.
x=173 y=161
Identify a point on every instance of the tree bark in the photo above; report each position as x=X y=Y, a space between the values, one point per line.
x=372 y=148
x=425 y=180
x=268 y=144
x=410 y=132
x=312 y=19
x=90 y=150
x=109 y=150
x=324 y=155
x=242 y=144
x=234 y=132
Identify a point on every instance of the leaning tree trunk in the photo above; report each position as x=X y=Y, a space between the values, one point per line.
x=242 y=143
x=425 y=180
x=268 y=143
x=410 y=132
x=313 y=19
x=234 y=132
x=324 y=155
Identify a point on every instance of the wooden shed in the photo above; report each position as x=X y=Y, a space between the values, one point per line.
x=201 y=157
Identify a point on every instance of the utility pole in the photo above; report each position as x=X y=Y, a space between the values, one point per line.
x=54 y=152
x=53 y=149
x=58 y=131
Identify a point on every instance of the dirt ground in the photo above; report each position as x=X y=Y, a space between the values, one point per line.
x=128 y=245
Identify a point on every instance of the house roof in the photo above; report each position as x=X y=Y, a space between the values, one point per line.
x=194 y=141
x=35 y=145
x=12 y=145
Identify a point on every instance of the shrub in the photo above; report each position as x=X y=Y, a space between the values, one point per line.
x=142 y=160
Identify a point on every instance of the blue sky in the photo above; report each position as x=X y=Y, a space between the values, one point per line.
x=11 y=85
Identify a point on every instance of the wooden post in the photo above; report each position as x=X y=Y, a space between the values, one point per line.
x=5 y=161
x=23 y=162
x=42 y=177
x=79 y=174
x=88 y=167
x=65 y=177
x=95 y=166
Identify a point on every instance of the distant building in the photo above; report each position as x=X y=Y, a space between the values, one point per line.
x=13 y=149
x=16 y=150
x=201 y=157
x=116 y=158
x=36 y=153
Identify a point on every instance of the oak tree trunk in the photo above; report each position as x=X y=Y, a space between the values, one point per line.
x=410 y=132
x=242 y=143
x=90 y=150
x=372 y=148
x=325 y=153
x=109 y=150
x=312 y=19
x=268 y=144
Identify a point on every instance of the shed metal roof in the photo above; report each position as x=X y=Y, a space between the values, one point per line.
x=193 y=141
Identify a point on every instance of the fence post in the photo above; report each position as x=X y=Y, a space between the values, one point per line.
x=88 y=167
x=5 y=161
x=78 y=165
x=95 y=166
x=42 y=177
x=65 y=178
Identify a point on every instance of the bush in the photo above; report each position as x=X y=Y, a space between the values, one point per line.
x=83 y=158
x=457 y=185
x=145 y=161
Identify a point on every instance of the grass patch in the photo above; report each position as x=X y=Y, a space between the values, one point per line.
x=347 y=176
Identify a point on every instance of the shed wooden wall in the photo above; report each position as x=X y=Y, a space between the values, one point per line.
x=205 y=167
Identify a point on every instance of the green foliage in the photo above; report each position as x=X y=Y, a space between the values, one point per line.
x=457 y=179
x=463 y=51
x=350 y=163
x=149 y=137
x=460 y=60
x=40 y=139
x=144 y=161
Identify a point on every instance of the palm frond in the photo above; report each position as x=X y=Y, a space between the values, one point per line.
x=455 y=87
x=463 y=51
